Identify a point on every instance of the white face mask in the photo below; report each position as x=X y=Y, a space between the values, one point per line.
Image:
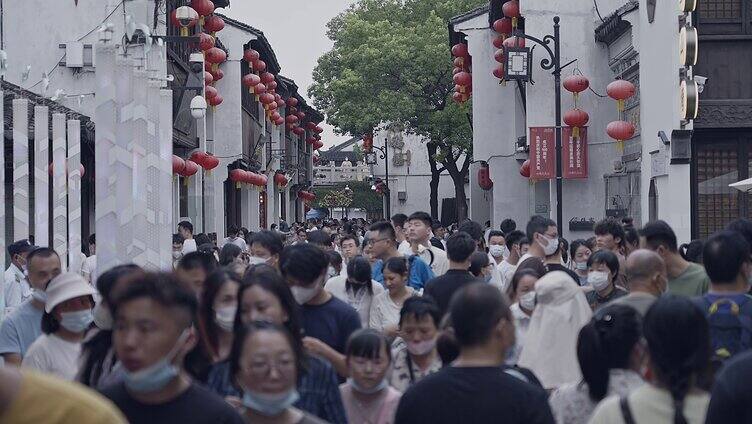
x=303 y=294
x=527 y=301
x=255 y=260
x=580 y=266
x=225 y=317
x=496 y=250
x=598 y=279
x=176 y=254
x=102 y=317
x=421 y=348
x=551 y=247
x=331 y=272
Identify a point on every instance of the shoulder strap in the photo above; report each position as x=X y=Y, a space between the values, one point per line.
x=626 y=411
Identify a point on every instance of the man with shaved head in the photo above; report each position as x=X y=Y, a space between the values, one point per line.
x=646 y=278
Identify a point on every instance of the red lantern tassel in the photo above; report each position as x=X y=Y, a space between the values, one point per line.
x=514 y=23
x=183 y=32
x=620 y=146
x=185 y=181
x=575 y=133
x=620 y=105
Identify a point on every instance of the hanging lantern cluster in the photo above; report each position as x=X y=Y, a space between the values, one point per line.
x=620 y=90
x=280 y=179
x=462 y=77
x=484 y=177
x=240 y=176
x=205 y=160
x=184 y=168
x=201 y=12
x=576 y=118
x=306 y=196
x=505 y=27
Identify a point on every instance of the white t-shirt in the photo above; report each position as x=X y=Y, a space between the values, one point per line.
x=506 y=270
x=521 y=322
x=16 y=288
x=404 y=248
x=361 y=303
x=189 y=246
x=52 y=355
x=384 y=312
x=237 y=241
x=89 y=268
x=650 y=404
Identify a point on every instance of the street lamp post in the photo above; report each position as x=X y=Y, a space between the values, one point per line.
x=371 y=160
x=517 y=67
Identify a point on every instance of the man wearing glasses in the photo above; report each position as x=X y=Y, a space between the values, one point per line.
x=383 y=244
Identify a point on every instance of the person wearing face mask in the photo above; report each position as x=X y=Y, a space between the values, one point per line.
x=603 y=269
x=265 y=247
x=177 y=249
x=522 y=293
x=554 y=262
x=266 y=363
x=327 y=320
x=580 y=251
x=335 y=265
x=418 y=233
x=460 y=247
x=414 y=351
x=367 y=396
x=98 y=358
x=229 y=254
x=497 y=246
x=194 y=267
x=356 y=287
x=507 y=267
x=233 y=236
x=16 y=289
x=153 y=331
x=647 y=279
x=66 y=320
x=544 y=238
x=22 y=326
x=481 y=266
x=265 y=296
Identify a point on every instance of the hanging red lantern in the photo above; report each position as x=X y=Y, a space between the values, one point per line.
x=620 y=131
x=291 y=119
x=263 y=180
x=458 y=97
x=250 y=81
x=460 y=50
x=203 y=7
x=310 y=126
x=513 y=42
x=251 y=56
x=191 y=168
x=208 y=78
x=484 y=177
x=259 y=89
x=463 y=79
x=199 y=157
x=266 y=78
x=214 y=24
x=275 y=117
x=205 y=42
x=215 y=56
x=218 y=75
x=210 y=162
x=499 y=72
x=280 y=179
x=500 y=56
x=511 y=9
x=259 y=65
x=456 y=71
x=498 y=42
x=310 y=140
x=210 y=92
x=237 y=176
x=299 y=131
x=503 y=26
x=216 y=100
x=178 y=164
x=459 y=62
x=576 y=118
x=318 y=129
x=316 y=158
x=292 y=102
x=280 y=103
x=267 y=98
x=620 y=90
x=525 y=169
x=279 y=121
x=576 y=83
x=272 y=85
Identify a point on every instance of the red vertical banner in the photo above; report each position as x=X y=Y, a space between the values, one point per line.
x=574 y=154
x=542 y=153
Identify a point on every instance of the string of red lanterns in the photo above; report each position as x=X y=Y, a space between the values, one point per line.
x=463 y=80
x=620 y=90
x=576 y=118
x=484 y=177
x=505 y=27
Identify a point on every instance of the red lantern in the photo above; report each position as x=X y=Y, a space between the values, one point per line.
x=499 y=55
x=503 y=26
x=498 y=42
x=576 y=83
x=513 y=42
x=191 y=168
x=205 y=42
x=260 y=88
x=237 y=176
x=272 y=85
x=291 y=119
x=267 y=98
x=259 y=65
x=310 y=140
x=499 y=72
x=267 y=77
x=576 y=118
x=620 y=90
x=292 y=102
x=214 y=24
x=299 y=131
x=316 y=158
x=318 y=144
x=525 y=169
x=280 y=103
x=211 y=92
x=203 y=7
x=280 y=179
x=263 y=180
x=251 y=56
x=458 y=97
x=310 y=126
x=511 y=9
x=216 y=100
x=218 y=75
x=484 y=178
x=459 y=62
x=620 y=130
x=279 y=121
x=276 y=117
x=208 y=78
x=250 y=81
x=178 y=164
x=459 y=50
x=199 y=157
x=215 y=56
x=210 y=162
x=318 y=129
x=463 y=79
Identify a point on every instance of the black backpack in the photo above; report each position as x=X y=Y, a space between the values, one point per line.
x=730 y=326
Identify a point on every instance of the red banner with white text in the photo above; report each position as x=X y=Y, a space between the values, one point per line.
x=574 y=154
x=542 y=153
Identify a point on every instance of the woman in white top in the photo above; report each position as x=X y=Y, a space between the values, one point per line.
x=561 y=311
x=356 y=287
x=610 y=357
x=521 y=291
x=385 y=309
x=678 y=341
x=67 y=317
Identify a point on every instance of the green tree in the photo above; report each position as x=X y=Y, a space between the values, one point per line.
x=391 y=64
x=362 y=197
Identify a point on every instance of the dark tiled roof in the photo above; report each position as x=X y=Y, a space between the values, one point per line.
x=261 y=44
x=613 y=25
x=469 y=15
x=12 y=91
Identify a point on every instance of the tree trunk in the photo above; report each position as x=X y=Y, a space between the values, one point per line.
x=435 y=178
x=458 y=177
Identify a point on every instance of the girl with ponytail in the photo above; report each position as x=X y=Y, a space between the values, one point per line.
x=610 y=355
x=679 y=349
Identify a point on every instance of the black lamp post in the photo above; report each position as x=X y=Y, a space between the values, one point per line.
x=518 y=67
x=370 y=159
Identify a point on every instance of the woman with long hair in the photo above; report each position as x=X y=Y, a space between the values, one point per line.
x=356 y=287
x=521 y=292
x=610 y=356
x=678 y=342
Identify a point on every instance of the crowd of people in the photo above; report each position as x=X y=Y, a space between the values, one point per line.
x=393 y=321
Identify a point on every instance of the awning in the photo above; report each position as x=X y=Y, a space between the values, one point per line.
x=743 y=185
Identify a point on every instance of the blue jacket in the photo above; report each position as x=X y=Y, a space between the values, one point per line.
x=420 y=272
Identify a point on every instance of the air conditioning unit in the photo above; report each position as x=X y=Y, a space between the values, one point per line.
x=402 y=196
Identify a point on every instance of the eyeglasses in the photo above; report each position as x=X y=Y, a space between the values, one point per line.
x=374 y=241
x=262 y=368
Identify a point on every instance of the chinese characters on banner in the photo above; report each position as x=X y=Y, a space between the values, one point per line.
x=574 y=154
x=543 y=153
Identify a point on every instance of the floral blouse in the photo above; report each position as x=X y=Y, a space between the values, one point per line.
x=401 y=378
x=571 y=403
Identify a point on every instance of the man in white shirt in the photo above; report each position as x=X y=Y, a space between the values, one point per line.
x=185 y=229
x=89 y=266
x=16 y=287
x=232 y=237
x=508 y=266
x=419 y=234
x=399 y=221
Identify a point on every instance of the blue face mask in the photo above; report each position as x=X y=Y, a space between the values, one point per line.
x=270 y=405
x=360 y=389
x=39 y=295
x=157 y=376
x=76 y=321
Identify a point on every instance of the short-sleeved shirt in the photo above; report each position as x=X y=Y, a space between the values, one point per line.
x=331 y=322
x=44 y=399
x=384 y=312
x=21 y=328
x=596 y=301
x=731 y=400
x=404 y=372
x=692 y=282
x=361 y=300
x=442 y=288
x=16 y=288
x=420 y=272
x=197 y=405
x=52 y=355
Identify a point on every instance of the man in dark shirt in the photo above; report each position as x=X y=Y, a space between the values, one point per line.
x=475 y=388
x=327 y=321
x=460 y=246
x=153 y=332
x=731 y=399
x=553 y=262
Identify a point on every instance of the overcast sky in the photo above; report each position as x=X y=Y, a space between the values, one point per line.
x=296 y=29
